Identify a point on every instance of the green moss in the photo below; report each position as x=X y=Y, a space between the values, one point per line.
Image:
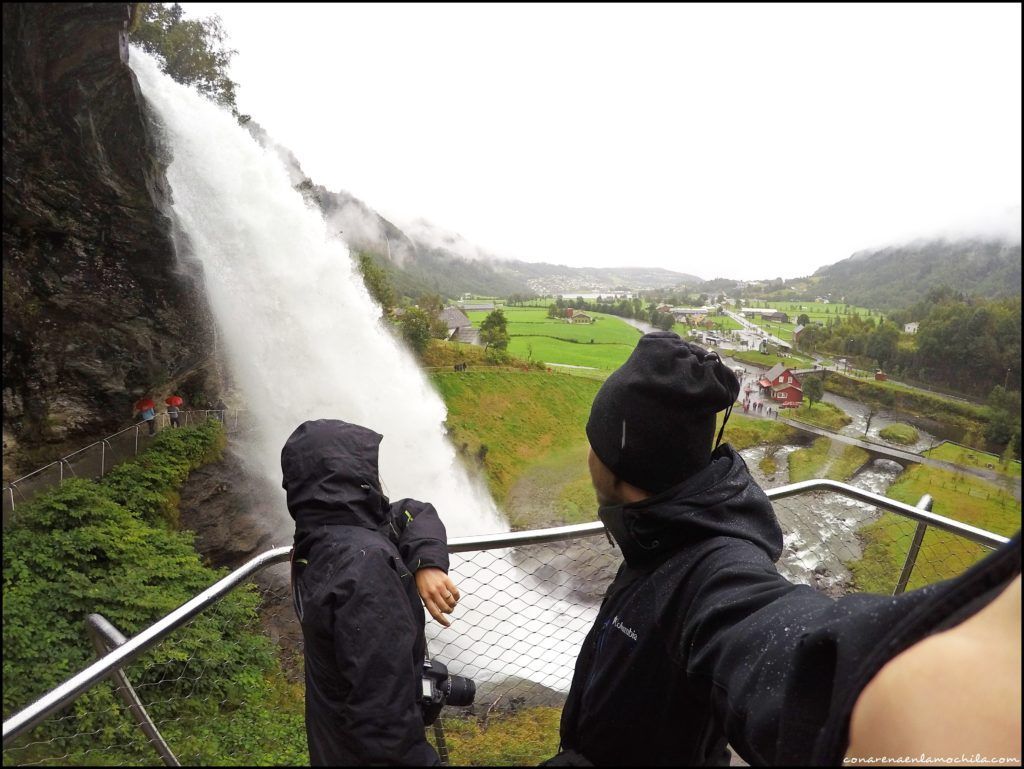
x=822 y=415
x=900 y=433
x=524 y=738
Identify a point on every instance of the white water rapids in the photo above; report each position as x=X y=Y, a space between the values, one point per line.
x=304 y=341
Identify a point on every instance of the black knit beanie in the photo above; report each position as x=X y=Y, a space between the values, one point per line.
x=653 y=421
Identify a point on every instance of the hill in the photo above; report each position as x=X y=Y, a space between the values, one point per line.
x=897 y=277
x=421 y=257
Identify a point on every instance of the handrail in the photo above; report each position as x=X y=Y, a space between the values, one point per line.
x=132 y=426
x=65 y=693
x=104 y=443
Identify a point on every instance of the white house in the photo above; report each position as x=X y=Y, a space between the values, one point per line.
x=910 y=328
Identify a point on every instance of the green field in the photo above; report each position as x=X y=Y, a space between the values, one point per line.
x=960 y=497
x=817 y=311
x=964 y=455
x=768 y=360
x=603 y=344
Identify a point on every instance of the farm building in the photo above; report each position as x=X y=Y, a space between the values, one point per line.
x=577 y=316
x=460 y=329
x=781 y=385
x=910 y=328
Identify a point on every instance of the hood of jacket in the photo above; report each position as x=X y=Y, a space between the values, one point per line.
x=330 y=473
x=720 y=500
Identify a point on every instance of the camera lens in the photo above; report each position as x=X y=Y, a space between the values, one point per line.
x=460 y=690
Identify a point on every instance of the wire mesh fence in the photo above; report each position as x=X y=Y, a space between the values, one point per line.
x=99 y=458
x=227 y=689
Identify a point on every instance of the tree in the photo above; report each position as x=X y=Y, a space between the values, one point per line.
x=494 y=330
x=376 y=280
x=415 y=326
x=813 y=389
x=665 y=321
x=803 y=320
x=554 y=312
x=193 y=52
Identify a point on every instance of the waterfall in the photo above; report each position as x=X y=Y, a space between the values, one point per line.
x=304 y=340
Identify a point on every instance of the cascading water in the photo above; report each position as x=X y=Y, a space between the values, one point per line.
x=304 y=341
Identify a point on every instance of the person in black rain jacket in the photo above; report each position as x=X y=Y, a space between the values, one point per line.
x=360 y=566
x=699 y=641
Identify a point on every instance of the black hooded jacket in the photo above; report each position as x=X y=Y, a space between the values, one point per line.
x=700 y=641
x=355 y=595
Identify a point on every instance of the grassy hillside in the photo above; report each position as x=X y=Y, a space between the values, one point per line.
x=520 y=417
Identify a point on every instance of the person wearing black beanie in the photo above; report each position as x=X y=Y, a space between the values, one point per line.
x=700 y=643
x=653 y=420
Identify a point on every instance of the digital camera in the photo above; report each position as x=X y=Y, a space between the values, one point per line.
x=438 y=689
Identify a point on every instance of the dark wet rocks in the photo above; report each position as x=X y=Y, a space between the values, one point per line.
x=97 y=310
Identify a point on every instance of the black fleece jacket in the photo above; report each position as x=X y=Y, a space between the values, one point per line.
x=355 y=595
x=700 y=641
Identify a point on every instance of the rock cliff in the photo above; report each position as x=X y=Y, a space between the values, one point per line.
x=97 y=310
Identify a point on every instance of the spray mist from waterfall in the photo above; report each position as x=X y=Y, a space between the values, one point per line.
x=303 y=337
x=304 y=341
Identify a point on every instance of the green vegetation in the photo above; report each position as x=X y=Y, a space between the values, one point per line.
x=957 y=496
x=826 y=458
x=814 y=389
x=214 y=686
x=743 y=432
x=808 y=463
x=376 y=280
x=494 y=330
x=883 y=394
x=523 y=739
x=415 y=325
x=900 y=433
x=533 y=336
x=514 y=419
x=965 y=455
x=898 y=276
x=192 y=51
x=770 y=359
x=823 y=415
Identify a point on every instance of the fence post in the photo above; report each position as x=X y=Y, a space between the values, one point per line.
x=136 y=440
x=925 y=503
x=105 y=637
x=103 y=456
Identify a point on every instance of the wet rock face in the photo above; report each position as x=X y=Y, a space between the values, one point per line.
x=97 y=310
x=232 y=513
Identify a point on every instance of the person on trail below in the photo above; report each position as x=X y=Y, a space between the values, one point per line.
x=360 y=568
x=148 y=414
x=700 y=644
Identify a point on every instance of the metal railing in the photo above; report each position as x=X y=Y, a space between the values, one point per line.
x=99 y=457
x=528 y=599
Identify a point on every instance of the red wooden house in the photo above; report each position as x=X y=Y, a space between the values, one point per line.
x=782 y=386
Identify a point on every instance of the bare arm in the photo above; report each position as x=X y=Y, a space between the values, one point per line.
x=956 y=694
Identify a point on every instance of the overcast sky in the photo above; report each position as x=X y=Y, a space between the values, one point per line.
x=748 y=141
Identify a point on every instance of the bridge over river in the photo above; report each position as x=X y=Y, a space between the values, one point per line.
x=904 y=458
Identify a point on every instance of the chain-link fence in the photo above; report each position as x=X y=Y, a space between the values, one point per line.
x=99 y=458
x=227 y=687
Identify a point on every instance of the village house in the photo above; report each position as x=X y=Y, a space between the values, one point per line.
x=797 y=332
x=781 y=385
x=577 y=316
x=460 y=329
x=910 y=328
x=470 y=306
x=765 y=313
